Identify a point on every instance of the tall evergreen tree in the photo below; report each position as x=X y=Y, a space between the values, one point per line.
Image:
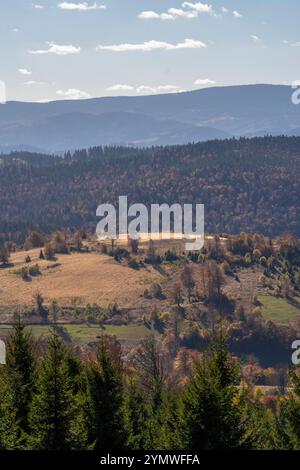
x=10 y=431
x=288 y=422
x=53 y=414
x=104 y=400
x=20 y=367
x=212 y=408
x=135 y=416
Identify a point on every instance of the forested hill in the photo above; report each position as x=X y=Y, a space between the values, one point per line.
x=246 y=185
x=168 y=119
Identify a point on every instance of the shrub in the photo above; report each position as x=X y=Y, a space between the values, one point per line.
x=133 y=264
x=49 y=251
x=34 y=270
x=25 y=274
x=170 y=256
x=103 y=248
x=263 y=261
x=248 y=259
x=226 y=268
x=156 y=291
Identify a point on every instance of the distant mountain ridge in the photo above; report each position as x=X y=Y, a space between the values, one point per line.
x=206 y=114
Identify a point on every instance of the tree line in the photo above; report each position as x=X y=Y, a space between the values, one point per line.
x=54 y=399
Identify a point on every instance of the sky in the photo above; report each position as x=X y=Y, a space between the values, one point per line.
x=51 y=50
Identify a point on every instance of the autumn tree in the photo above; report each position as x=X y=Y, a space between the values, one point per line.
x=134 y=245
x=187 y=280
x=49 y=251
x=34 y=240
x=175 y=294
x=4 y=256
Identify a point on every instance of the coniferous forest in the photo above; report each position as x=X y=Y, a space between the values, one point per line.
x=60 y=401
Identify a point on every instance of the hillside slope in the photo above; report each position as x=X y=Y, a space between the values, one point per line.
x=77 y=279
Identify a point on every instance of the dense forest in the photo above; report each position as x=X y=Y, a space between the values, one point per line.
x=246 y=185
x=66 y=401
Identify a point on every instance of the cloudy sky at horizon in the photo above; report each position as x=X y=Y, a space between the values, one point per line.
x=53 y=50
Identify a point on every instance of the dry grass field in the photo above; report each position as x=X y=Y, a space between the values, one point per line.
x=81 y=278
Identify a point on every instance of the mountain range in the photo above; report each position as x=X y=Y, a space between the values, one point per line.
x=176 y=118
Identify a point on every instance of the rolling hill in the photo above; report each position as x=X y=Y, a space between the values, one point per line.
x=212 y=113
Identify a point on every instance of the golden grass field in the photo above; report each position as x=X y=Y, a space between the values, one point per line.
x=81 y=278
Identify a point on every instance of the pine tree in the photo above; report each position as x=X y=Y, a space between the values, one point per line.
x=288 y=423
x=212 y=408
x=104 y=400
x=53 y=414
x=260 y=421
x=163 y=426
x=173 y=419
x=10 y=431
x=135 y=416
x=20 y=367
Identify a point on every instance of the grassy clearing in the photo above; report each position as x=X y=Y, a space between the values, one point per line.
x=279 y=310
x=87 y=332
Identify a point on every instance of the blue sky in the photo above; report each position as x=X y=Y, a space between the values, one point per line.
x=56 y=50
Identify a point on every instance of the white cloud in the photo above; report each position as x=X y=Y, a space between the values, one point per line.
x=188 y=10
x=144 y=89
x=57 y=49
x=120 y=87
x=15 y=30
x=35 y=83
x=255 y=38
x=38 y=6
x=152 y=15
x=168 y=88
x=172 y=14
x=73 y=94
x=200 y=7
x=224 y=10
x=204 y=82
x=84 y=6
x=236 y=14
x=24 y=72
x=152 y=45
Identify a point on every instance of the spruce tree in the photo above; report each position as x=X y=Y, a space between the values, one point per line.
x=104 y=401
x=136 y=416
x=163 y=426
x=288 y=422
x=11 y=437
x=20 y=367
x=53 y=414
x=212 y=407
